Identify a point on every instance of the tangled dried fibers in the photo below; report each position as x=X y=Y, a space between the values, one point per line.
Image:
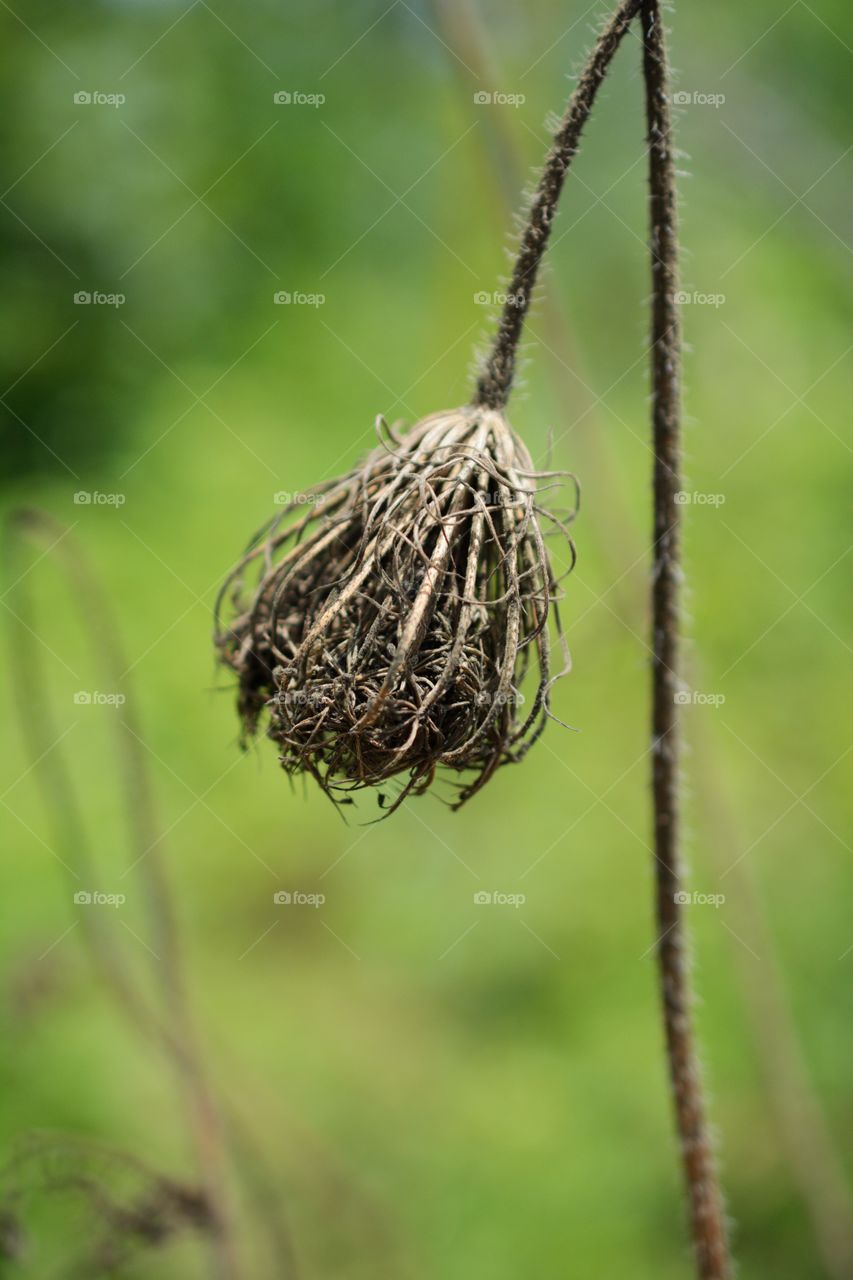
x=385 y=622
x=389 y=628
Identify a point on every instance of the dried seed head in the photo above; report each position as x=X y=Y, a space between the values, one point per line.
x=391 y=616
x=388 y=630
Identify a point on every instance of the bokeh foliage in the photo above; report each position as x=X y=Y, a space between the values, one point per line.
x=437 y=1088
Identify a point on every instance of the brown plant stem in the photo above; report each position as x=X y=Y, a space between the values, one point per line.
x=495 y=381
x=796 y=1106
x=708 y=1228
x=460 y=24
x=707 y=1216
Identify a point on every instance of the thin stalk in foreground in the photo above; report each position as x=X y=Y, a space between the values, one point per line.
x=495 y=381
x=707 y=1217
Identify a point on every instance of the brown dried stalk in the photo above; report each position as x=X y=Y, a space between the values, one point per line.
x=390 y=630
x=707 y=1215
x=457 y=22
x=377 y=630
x=496 y=379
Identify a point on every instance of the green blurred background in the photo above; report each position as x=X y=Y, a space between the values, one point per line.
x=421 y=1086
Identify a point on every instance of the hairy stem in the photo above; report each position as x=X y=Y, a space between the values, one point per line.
x=495 y=381
x=493 y=389
x=707 y=1217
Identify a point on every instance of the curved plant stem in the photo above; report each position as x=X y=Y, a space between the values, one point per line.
x=705 y=1200
x=495 y=381
x=707 y=1217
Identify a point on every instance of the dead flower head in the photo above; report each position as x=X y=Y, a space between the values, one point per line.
x=386 y=622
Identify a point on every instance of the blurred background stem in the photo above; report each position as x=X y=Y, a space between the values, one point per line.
x=178 y=1034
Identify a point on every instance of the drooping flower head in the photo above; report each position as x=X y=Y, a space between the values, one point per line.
x=392 y=626
x=396 y=620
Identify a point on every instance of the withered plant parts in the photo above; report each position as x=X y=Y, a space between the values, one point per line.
x=388 y=629
x=395 y=622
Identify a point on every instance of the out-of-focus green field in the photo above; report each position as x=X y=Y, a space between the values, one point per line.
x=435 y=1088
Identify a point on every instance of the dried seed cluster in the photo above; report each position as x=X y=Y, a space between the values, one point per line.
x=387 y=620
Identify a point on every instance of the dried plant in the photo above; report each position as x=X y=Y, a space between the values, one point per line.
x=707 y=1216
x=395 y=622
x=381 y=623
x=390 y=629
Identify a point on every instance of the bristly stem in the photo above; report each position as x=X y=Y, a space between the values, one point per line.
x=707 y=1216
x=495 y=381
